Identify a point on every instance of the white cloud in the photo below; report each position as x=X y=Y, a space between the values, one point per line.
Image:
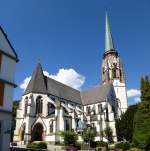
x=25 y=82
x=67 y=76
x=133 y=93
x=137 y=99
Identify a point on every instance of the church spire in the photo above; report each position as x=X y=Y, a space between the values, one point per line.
x=37 y=83
x=108 y=36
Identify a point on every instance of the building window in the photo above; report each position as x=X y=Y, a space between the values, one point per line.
x=39 y=105
x=26 y=106
x=51 y=108
x=52 y=97
x=88 y=110
x=107 y=117
x=66 y=113
x=100 y=108
x=51 y=126
x=67 y=125
x=2 y=86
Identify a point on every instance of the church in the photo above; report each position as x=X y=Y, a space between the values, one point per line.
x=48 y=107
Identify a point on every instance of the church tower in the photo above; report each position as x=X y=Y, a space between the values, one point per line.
x=112 y=69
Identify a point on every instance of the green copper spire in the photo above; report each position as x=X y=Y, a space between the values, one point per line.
x=108 y=36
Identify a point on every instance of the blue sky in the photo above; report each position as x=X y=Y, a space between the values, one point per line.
x=70 y=34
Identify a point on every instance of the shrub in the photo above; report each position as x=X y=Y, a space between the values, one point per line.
x=108 y=133
x=89 y=135
x=111 y=146
x=70 y=138
x=123 y=145
x=92 y=144
x=41 y=145
x=32 y=145
x=135 y=149
x=101 y=144
x=78 y=145
x=127 y=146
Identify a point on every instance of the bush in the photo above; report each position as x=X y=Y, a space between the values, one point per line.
x=111 y=146
x=101 y=144
x=32 y=145
x=135 y=149
x=41 y=145
x=78 y=145
x=108 y=133
x=123 y=145
x=92 y=144
x=70 y=138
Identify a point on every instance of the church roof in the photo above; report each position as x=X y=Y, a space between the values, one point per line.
x=37 y=83
x=96 y=94
x=108 y=36
x=63 y=91
x=46 y=85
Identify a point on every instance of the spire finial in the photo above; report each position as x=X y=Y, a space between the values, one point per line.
x=108 y=36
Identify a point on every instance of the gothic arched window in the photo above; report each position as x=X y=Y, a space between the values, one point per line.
x=88 y=109
x=51 y=126
x=100 y=108
x=39 y=105
x=51 y=108
x=67 y=125
x=26 y=106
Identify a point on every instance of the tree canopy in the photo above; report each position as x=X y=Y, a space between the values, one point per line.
x=141 y=137
x=124 y=125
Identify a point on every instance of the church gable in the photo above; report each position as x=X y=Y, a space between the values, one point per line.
x=5 y=45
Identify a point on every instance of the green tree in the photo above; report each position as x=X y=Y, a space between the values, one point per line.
x=145 y=89
x=141 y=136
x=89 y=135
x=108 y=133
x=14 y=110
x=70 y=137
x=124 y=125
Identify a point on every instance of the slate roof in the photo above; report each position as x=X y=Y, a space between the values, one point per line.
x=46 y=85
x=63 y=91
x=96 y=94
x=37 y=83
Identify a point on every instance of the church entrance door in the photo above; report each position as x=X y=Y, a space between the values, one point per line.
x=37 y=132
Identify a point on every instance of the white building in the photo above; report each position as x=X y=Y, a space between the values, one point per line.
x=8 y=59
x=48 y=107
